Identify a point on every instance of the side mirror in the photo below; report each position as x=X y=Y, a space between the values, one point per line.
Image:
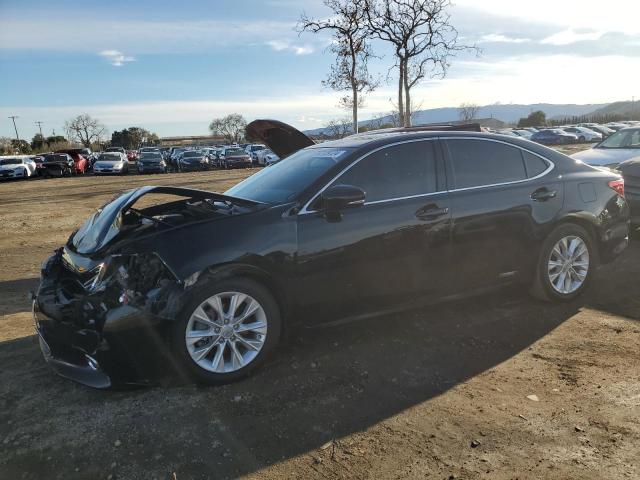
x=340 y=197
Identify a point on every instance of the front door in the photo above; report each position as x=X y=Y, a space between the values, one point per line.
x=391 y=251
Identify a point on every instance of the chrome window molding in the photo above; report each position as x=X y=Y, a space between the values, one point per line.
x=305 y=210
x=550 y=164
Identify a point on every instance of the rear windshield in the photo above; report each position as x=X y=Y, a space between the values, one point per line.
x=234 y=151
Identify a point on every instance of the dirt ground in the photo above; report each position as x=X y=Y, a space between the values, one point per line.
x=497 y=387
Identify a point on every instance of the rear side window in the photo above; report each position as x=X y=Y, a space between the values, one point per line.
x=394 y=172
x=479 y=162
x=534 y=164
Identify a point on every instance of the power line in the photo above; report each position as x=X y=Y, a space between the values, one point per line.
x=39 y=123
x=13 y=117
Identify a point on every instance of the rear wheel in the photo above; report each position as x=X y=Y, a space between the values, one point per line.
x=226 y=330
x=567 y=260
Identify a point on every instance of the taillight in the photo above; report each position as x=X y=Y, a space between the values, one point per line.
x=618 y=186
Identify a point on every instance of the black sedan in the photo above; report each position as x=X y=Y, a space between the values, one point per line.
x=369 y=224
x=151 y=162
x=193 y=160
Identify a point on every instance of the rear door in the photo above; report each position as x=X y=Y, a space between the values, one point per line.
x=503 y=198
x=392 y=250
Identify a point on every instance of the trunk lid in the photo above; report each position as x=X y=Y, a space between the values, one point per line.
x=281 y=138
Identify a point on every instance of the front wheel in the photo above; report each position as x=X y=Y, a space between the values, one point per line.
x=226 y=330
x=567 y=260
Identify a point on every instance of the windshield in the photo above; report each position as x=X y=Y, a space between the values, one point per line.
x=192 y=154
x=109 y=158
x=622 y=139
x=234 y=151
x=150 y=156
x=286 y=179
x=56 y=158
x=10 y=161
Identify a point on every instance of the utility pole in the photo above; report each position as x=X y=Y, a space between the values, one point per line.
x=13 y=117
x=39 y=123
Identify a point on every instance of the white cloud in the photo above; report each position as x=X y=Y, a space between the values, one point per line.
x=499 y=38
x=116 y=58
x=282 y=45
x=569 y=36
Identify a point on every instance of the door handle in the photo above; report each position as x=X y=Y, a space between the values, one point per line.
x=543 y=194
x=431 y=212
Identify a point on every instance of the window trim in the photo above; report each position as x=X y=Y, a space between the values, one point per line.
x=550 y=167
x=305 y=210
x=439 y=152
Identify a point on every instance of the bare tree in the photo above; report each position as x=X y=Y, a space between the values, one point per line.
x=423 y=41
x=85 y=129
x=468 y=111
x=338 y=128
x=350 y=33
x=230 y=127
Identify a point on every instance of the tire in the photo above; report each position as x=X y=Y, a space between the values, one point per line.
x=582 y=140
x=548 y=283
x=269 y=314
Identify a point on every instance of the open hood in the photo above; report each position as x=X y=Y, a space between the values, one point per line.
x=281 y=138
x=106 y=223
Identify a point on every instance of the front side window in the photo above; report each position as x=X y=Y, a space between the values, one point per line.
x=478 y=163
x=397 y=171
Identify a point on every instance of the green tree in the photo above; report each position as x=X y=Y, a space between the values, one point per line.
x=133 y=137
x=534 y=119
x=21 y=146
x=37 y=142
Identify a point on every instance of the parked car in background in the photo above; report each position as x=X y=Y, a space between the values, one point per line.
x=266 y=157
x=507 y=131
x=116 y=149
x=58 y=165
x=554 y=136
x=523 y=133
x=620 y=147
x=80 y=163
x=235 y=157
x=253 y=149
x=616 y=126
x=309 y=240
x=605 y=131
x=111 y=163
x=132 y=155
x=38 y=160
x=175 y=154
x=17 y=167
x=584 y=134
x=151 y=162
x=193 y=160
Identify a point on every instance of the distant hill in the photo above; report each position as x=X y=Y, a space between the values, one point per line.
x=507 y=113
x=618 y=108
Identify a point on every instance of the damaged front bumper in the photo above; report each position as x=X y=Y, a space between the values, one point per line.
x=107 y=333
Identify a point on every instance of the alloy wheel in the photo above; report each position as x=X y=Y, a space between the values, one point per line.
x=568 y=264
x=226 y=332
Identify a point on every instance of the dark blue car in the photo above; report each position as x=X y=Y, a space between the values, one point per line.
x=554 y=136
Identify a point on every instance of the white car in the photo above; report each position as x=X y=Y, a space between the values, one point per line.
x=111 y=163
x=14 y=167
x=253 y=150
x=266 y=157
x=584 y=134
x=621 y=146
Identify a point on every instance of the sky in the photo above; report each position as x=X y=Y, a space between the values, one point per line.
x=172 y=67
